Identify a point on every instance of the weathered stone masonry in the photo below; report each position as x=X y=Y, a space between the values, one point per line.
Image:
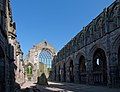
x=33 y=60
x=6 y=56
x=10 y=51
x=93 y=55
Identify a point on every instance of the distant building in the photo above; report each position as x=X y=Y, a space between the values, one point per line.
x=93 y=55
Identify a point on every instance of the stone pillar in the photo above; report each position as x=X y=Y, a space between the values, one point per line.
x=76 y=73
x=89 y=70
x=7 y=76
x=67 y=74
x=35 y=75
x=62 y=73
x=26 y=79
x=54 y=71
x=113 y=70
x=57 y=74
x=113 y=77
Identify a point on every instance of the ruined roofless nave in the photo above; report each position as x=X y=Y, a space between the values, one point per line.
x=92 y=57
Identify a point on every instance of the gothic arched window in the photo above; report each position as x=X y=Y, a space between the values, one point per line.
x=45 y=57
x=29 y=70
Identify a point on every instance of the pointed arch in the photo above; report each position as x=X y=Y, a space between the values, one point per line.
x=29 y=71
x=99 y=67
x=82 y=69
x=41 y=56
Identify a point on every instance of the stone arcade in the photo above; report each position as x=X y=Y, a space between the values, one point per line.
x=93 y=55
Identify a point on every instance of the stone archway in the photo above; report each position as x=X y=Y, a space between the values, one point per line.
x=29 y=71
x=41 y=57
x=99 y=67
x=82 y=70
x=71 y=72
x=2 y=70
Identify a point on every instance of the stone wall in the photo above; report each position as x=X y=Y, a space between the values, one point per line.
x=33 y=59
x=99 y=39
x=7 y=78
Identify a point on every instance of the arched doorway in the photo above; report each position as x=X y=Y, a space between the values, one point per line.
x=64 y=70
x=2 y=70
x=82 y=70
x=99 y=67
x=29 y=72
x=71 y=71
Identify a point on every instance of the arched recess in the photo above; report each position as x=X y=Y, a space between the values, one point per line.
x=29 y=71
x=82 y=69
x=71 y=72
x=99 y=67
x=2 y=70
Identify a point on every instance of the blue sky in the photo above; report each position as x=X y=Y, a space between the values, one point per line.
x=56 y=21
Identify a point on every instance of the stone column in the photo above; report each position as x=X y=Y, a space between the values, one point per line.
x=67 y=74
x=57 y=73
x=54 y=73
x=76 y=73
x=62 y=73
x=113 y=70
x=89 y=70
